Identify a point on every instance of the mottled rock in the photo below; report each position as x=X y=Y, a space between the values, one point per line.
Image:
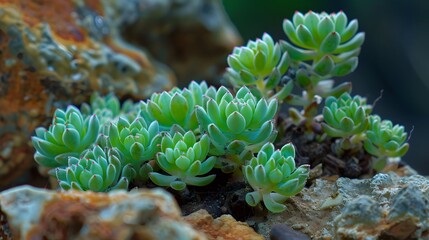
x=54 y=53
x=284 y=232
x=224 y=227
x=387 y=206
x=34 y=213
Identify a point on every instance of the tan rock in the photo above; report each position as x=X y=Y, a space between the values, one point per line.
x=224 y=227
x=34 y=213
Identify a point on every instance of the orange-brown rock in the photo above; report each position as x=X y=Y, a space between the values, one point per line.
x=224 y=227
x=34 y=213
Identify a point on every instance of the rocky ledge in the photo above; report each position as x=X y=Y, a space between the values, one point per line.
x=390 y=205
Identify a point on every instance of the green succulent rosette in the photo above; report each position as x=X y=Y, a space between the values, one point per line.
x=98 y=170
x=239 y=123
x=385 y=140
x=329 y=41
x=345 y=116
x=175 y=107
x=137 y=142
x=274 y=177
x=108 y=108
x=261 y=64
x=185 y=159
x=69 y=135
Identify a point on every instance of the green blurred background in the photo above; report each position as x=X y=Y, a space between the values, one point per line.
x=394 y=57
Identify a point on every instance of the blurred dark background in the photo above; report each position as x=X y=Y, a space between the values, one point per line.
x=394 y=57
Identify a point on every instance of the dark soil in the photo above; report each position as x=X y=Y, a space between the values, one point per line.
x=222 y=196
x=314 y=152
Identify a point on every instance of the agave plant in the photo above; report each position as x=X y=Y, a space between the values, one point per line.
x=185 y=160
x=237 y=125
x=136 y=141
x=175 y=107
x=385 y=140
x=68 y=135
x=98 y=170
x=260 y=64
x=274 y=177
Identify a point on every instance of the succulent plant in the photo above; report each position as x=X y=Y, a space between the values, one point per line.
x=136 y=141
x=175 y=107
x=237 y=124
x=68 y=135
x=185 y=160
x=345 y=116
x=108 y=108
x=98 y=170
x=262 y=64
x=328 y=40
x=274 y=177
x=385 y=140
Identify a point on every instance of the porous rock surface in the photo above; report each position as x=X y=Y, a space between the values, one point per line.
x=55 y=53
x=386 y=206
x=224 y=227
x=34 y=213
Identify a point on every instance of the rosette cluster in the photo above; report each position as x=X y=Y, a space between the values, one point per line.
x=69 y=135
x=237 y=124
x=385 y=139
x=184 y=159
x=175 y=108
x=98 y=170
x=108 y=108
x=260 y=63
x=137 y=141
x=345 y=116
x=328 y=40
x=274 y=177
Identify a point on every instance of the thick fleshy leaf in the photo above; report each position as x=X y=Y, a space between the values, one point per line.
x=236 y=122
x=95 y=183
x=200 y=181
x=179 y=108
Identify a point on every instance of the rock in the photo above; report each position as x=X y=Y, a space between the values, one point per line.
x=4 y=227
x=193 y=37
x=224 y=227
x=34 y=213
x=284 y=232
x=55 y=53
x=386 y=206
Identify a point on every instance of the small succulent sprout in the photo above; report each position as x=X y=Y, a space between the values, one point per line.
x=385 y=140
x=175 y=107
x=274 y=177
x=185 y=159
x=328 y=40
x=242 y=118
x=68 y=135
x=260 y=63
x=108 y=108
x=345 y=116
x=98 y=170
x=136 y=141
x=99 y=103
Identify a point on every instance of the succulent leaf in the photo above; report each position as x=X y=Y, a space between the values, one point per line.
x=273 y=176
